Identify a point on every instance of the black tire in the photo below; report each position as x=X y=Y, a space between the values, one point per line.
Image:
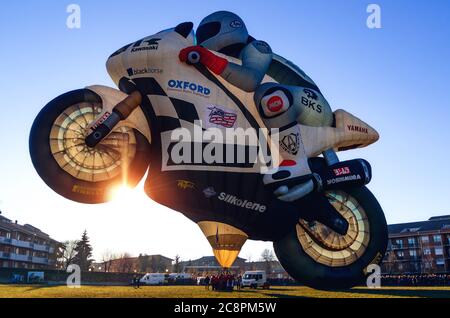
x=308 y=271
x=62 y=182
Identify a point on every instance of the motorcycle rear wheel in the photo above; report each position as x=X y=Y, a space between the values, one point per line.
x=72 y=169
x=320 y=258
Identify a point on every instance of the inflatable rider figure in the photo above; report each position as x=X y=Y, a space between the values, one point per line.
x=280 y=106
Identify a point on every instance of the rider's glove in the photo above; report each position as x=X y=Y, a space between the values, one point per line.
x=213 y=62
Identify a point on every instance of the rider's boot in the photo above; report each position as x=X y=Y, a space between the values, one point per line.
x=293 y=160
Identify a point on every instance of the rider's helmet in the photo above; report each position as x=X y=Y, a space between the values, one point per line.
x=221 y=29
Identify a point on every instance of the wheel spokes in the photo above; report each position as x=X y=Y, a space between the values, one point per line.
x=91 y=164
x=330 y=248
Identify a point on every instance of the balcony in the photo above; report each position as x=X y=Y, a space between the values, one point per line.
x=20 y=257
x=5 y=255
x=4 y=240
x=41 y=248
x=27 y=244
x=405 y=247
x=24 y=244
x=24 y=258
x=40 y=260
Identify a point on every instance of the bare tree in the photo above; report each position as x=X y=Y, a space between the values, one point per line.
x=390 y=261
x=268 y=257
x=427 y=263
x=107 y=258
x=249 y=257
x=68 y=253
x=125 y=263
x=176 y=264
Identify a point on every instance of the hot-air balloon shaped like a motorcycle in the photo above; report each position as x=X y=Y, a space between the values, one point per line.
x=326 y=239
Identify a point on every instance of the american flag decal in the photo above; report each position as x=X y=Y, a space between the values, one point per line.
x=222 y=118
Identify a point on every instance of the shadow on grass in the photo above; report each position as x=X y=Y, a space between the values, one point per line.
x=31 y=288
x=280 y=289
x=285 y=296
x=416 y=292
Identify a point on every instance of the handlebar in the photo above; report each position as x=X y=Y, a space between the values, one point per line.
x=193 y=58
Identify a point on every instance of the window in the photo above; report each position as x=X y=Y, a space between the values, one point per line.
x=413 y=254
x=437 y=238
x=411 y=241
x=426 y=251
x=400 y=254
x=399 y=243
x=440 y=262
x=438 y=251
x=8 y=235
x=425 y=239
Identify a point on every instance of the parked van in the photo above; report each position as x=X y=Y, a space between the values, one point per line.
x=255 y=279
x=183 y=276
x=153 y=279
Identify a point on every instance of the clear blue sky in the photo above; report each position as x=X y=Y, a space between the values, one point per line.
x=396 y=78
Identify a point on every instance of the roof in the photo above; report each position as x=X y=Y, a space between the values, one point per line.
x=26 y=228
x=207 y=261
x=154 y=256
x=135 y=258
x=435 y=223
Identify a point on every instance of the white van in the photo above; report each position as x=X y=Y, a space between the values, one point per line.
x=153 y=279
x=255 y=279
x=184 y=276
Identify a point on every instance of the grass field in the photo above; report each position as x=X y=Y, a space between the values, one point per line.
x=40 y=291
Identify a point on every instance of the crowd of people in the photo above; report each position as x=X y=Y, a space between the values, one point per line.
x=227 y=281
x=223 y=282
x=416 y=280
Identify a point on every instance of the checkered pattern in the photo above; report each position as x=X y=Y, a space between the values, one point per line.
x=171 y=113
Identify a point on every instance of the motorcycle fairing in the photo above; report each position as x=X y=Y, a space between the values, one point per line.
x=350 y=133
x=170 y=102
x=175 y=105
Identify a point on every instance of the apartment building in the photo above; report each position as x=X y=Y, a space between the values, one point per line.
x=140 y=264
x=25 y=246
x=419 y=247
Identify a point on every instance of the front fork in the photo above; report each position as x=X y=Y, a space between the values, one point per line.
x=330 y=157
x=100 y=129
x=326 y=213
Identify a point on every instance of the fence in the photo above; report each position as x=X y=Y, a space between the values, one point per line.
x=7 y=275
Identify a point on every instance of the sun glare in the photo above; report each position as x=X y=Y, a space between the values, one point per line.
x=122 y=193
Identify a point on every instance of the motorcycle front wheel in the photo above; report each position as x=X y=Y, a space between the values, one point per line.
x=320 y=258
x=72 y=169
